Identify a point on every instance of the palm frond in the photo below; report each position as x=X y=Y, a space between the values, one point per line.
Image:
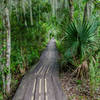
x=83 y=34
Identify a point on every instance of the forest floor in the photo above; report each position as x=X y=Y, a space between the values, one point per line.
x=76 y=89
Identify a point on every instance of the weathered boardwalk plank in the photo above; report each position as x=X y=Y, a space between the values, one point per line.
x=42 y=83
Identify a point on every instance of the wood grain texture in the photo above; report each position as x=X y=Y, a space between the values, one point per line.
x=42 y=83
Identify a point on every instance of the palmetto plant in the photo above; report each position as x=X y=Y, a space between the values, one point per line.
x=81 y=39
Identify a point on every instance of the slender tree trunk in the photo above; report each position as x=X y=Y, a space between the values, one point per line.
x=71 y=9
x=17 y=11
x=9 y=5
x=53 y=8
x=24 y=11
x=8 y=52
x=87 y=11
x=63 y=5
x=31 y=18
x=56 y=6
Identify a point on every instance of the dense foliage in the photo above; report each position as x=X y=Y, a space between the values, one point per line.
x=81 y=40
x=26 y=26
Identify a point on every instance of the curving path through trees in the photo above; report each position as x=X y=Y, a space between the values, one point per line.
x=42 y=83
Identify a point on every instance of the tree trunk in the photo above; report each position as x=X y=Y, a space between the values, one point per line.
x=71 y=9
x=31 y=18
x=17 y=16
x=24 y=11
x=63 y=5
x=87 y=11
x=53 y=8
x=8 y=52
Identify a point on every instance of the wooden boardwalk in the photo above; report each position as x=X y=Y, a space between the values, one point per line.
x=42 y=83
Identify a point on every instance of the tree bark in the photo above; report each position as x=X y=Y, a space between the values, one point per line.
x=31 y=18
x=8 y=50
x=24 y=11
x=63 y=5
x=71 y=9
x=87 y=11
x=53 y=8
x=17 y=11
